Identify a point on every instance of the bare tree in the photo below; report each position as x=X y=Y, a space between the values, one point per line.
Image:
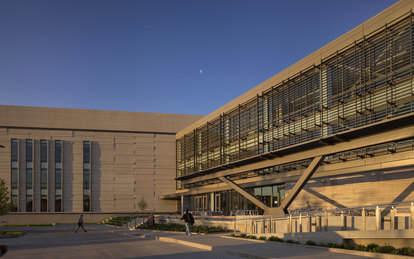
x=142 y=204
x=5 y=205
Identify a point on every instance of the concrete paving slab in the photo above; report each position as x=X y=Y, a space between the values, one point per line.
x=98 y=242
x=258 y=249
x=108 y=242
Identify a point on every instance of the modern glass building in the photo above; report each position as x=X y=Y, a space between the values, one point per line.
x=358 y=86
x=334 y=130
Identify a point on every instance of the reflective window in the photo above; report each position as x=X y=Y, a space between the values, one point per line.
x=58 y=151
x=29 y=175
x=43 y=175
x=86 y=152
x=43 y=151
x=86 y=176
x=58 y=175
x=233 y=203
x=14 y=150
x=14 y=174
x=29 y=150
x=29 y=190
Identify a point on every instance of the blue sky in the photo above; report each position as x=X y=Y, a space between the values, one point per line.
x=171 y=56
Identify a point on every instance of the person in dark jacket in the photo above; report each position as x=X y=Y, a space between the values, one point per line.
x=80 y=224
x=188 y=220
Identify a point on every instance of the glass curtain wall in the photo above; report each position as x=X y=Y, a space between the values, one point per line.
x=367 y=82
x=232 y=203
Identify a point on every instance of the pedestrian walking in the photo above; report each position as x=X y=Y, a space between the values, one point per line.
x=189 y=221
x=80 y=224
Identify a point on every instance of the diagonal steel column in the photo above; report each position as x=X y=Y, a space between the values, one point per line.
x=282 y=209
x=301 y=183
x=247 y=195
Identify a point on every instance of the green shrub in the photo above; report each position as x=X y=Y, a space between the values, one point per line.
x=181 y=228
x=276 y=239
x=10 y=233
x=232 y=235
x=406 y=251
x=332 y=245
x=310 y=243
x=322 y=244
x=387 y=250
x=243 y=235
x=251 y=237
x=361 y=248
x=262 y=238
x=290 y=241
x=372 y=247
x=345 y=246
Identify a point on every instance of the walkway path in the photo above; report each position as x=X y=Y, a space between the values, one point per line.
x=247 y=248
x=108 y=242
x=99 y=242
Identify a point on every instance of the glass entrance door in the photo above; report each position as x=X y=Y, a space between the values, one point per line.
x=217 y=206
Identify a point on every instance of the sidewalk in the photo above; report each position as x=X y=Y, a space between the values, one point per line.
x=256 y=249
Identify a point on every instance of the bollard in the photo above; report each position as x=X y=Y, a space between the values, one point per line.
x=364 y=226
x=392 y=218
x=378 y=218
x=235 y=226
x=343 y=221
x=271 y=225
x=325 y=221
x=412 y=216
x=309 y=223
x=318 y=223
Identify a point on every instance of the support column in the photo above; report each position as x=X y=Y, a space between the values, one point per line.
x=325 y=222
x=363 y=214
x=292 y=194
x=378 y=218
x=392 y=218
x=412 y=216
x=185 y=203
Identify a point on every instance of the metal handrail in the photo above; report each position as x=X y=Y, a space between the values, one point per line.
x=338 y=210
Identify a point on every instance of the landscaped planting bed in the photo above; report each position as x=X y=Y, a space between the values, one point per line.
x=369 y=248
x=181 y=228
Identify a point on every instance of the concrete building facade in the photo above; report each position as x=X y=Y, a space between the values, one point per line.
x=343 y=115
x=70 y=160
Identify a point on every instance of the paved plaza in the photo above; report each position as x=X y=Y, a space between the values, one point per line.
x=108 y=242
x=99 y=242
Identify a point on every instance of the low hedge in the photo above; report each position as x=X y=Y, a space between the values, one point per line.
x=181 y=228
x=10 y=233
x=368 y=248
x=118 y=221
